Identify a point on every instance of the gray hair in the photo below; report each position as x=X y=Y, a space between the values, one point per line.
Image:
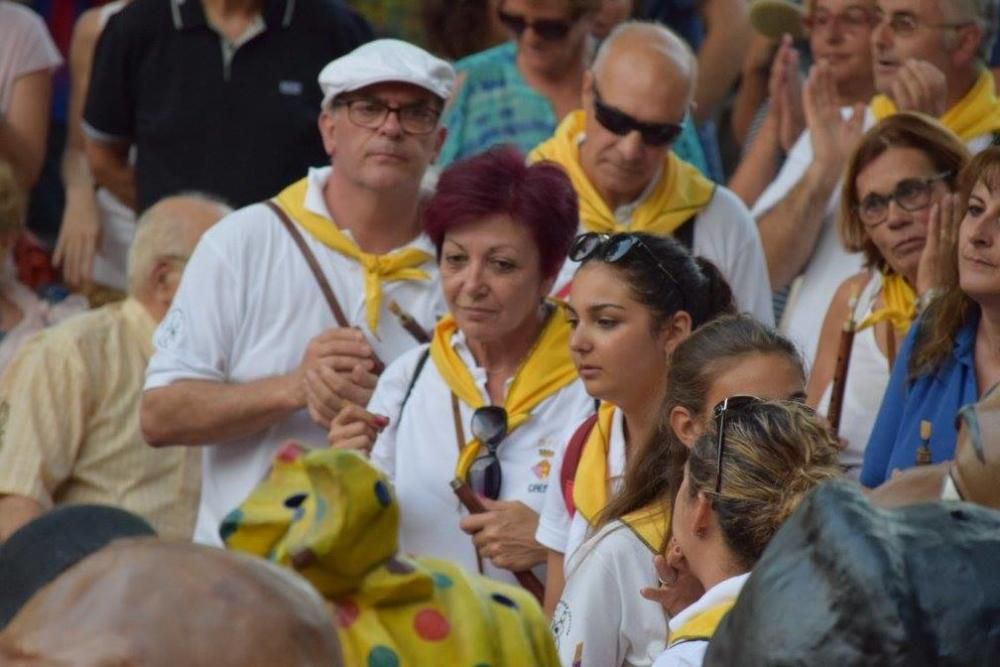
x=984 y=13
x=161 y=232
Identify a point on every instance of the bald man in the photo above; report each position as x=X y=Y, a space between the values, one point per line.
x=69 y=401
x=136 y=603
x=617 y=153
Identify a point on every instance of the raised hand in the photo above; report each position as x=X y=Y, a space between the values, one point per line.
x=505 y=534
x=356 y=428
x=938 y=259
x=678 y=587
x=920 y=86
x=785 y=92
x=833 y=136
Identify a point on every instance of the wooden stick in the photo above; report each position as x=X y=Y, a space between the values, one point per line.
x=411 y=325
x=526 y=578
x=843 y=365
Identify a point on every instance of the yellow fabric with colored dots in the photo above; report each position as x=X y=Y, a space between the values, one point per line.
x=333 y=518
x=394 y=266
x=701 y=627
x=680 y=193
x=547 y=368
x=900 y=305
x=974 y=115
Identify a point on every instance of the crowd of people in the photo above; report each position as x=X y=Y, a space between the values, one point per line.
x=492 y=332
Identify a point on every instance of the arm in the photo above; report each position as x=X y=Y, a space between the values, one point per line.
x=15 y=511
x=25 y=126
x=79 y=232
x=821 y=373
x=108 y=161
x=759 y=164
x=554 y=580
x=727 y=28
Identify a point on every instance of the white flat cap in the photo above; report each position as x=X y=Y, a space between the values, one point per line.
x=386 y=60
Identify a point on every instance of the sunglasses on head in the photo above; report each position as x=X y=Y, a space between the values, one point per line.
x=730 y=403
x=618 y=122
x=551 y=30
x=611 y=249
x=489 y=426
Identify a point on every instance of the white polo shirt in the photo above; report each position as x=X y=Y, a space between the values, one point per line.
x=557 y=530
x=725 y=234
x=246 y=309
x=692 y=653
x=601 y=617
x=419 y=452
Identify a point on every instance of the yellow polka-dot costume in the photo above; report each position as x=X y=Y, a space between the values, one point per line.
x=333 y=518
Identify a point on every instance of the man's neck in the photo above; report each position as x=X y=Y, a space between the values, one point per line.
x=959 y=85
x=379 y=222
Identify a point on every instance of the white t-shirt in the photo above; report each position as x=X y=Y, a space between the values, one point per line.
x=419 y=451
x=692 y=653
x=601 y=619
x=557 y=530
x=246 y=309
x=725 y=234
x=25 y=48
x=830 y=264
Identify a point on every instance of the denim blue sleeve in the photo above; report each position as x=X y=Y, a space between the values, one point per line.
x=886 y=430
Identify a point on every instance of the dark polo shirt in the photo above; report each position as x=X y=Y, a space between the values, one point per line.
x=237 y=120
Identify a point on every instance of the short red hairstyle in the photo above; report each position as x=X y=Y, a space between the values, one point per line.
x=498 y=182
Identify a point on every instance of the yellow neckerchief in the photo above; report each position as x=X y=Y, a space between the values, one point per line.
x=590 y=484
x=680 y=192
x=701 y=626
x=395 y=266
x=649 y=525
x=900 y=305
x=974 y=115
x=547 y=369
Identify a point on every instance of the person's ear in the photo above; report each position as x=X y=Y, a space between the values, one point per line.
x=685 y=426
x=966 y=49
x=326 y=125
x=441 y=134
x=586 y=91
x=164 y=279
x=675 y=331
x=703 y=516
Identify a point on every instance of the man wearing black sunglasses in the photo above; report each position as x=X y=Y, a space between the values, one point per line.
x=617 y=153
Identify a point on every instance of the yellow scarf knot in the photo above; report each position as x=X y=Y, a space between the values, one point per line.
x=974 y=115
x=546 y=369
x=395 y=266
x=680 y=192
x=900 y=305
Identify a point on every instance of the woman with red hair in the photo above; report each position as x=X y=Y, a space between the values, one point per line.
x=490 y=399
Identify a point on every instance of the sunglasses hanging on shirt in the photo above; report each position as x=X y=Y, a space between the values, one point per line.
x=489 y=426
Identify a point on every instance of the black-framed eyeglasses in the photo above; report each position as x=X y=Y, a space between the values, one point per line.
x=489 y=426
x=618 y=122
x=612 y=248
x=904 y=24
x=910 y=194
x=551 y=30
x=371 y=113
x=738 y=402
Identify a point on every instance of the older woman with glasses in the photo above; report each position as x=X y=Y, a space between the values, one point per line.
x=488 y=400
x=634 y=298
x=742 y=479
x=518 y=92
x=896 y=210
x=952 y=353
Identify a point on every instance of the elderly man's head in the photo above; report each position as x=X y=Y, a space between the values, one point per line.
x=955 y=36
x=160 y=604
x=381 y=109
x=635 y=96
x=165 y=237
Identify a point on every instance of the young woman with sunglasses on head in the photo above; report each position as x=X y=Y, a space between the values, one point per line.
x=743 y=478
x=518 y=92
x=488 y=401
x=952 y=353
x=897 y=210
x=635 y=297
x=600 y=614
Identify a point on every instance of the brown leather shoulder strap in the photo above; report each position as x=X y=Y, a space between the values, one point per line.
x=311 y=260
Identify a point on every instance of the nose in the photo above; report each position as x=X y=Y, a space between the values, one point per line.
x=631 y=146
x=475 y=285
x=984 y=229
x=391 y=125
x=881 y=36
x=579 y=341
x=897 y=216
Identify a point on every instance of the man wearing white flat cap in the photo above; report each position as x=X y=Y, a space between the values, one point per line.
x=254 y=351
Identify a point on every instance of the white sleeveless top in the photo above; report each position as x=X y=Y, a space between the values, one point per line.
x=867 y=378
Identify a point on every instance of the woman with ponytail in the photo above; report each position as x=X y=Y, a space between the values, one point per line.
x=600 y=614
x=634 y=298
x=743 y=478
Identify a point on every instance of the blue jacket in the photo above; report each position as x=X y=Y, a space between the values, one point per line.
x=933 y=397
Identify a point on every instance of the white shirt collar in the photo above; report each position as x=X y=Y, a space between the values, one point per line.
x=727 y=589
x=948 y=489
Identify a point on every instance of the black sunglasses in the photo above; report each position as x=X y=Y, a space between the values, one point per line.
x=620 y=123
x=738 y=402
x=489 y=426
x=611 y=249
x=551 y=30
